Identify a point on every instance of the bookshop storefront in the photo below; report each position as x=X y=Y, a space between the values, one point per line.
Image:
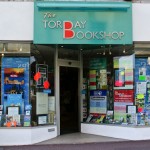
x=82 y=76
x=96 y=40
x=81 y=73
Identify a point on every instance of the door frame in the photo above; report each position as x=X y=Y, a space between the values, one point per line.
x=67 y=63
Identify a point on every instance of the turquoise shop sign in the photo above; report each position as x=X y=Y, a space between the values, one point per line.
x=82 y=22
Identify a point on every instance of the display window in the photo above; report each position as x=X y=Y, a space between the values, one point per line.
x=27 y=87
x=15 y=62
x=42 y=85
x=116 y=88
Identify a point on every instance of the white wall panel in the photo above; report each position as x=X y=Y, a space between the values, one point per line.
x=16 y=21
x=117 y=131
x=26 y=135
x=141 y=22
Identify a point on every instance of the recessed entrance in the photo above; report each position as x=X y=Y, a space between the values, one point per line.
x=69 y=100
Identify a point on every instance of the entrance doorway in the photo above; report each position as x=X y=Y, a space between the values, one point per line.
x=69 y=100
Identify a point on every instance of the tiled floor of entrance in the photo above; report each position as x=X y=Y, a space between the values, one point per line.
x=79 y=138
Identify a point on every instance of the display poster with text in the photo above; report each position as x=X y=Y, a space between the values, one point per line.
x=142 y=83
x=123 y=72
x=122 y=98
x=15 y=79
x=98 y=101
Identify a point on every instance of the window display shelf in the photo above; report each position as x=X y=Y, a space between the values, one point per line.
x=127 y=132
x=26 y=135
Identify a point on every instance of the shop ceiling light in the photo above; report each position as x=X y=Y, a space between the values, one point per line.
x=104 y=52
x=109 y=50
x=21 y=49
x=124 y=51
x=98 y=53
x=4 y=48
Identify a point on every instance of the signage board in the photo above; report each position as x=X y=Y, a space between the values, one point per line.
x=82 y=26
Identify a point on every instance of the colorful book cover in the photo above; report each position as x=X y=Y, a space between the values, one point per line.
x=89 y=118
x=16 y=118
x=92 y=79
x=27 y=121
x=119 y=77
x=13 y=80
x=100 y=119
x=1 y=107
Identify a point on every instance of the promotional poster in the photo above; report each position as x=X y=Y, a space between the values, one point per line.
x=142 y=82
x=98 y=101
x=123 y=72
x=15 y=82
x=122 y=98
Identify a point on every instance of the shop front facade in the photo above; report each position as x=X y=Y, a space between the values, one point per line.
x=64 y=69
x=87 y=29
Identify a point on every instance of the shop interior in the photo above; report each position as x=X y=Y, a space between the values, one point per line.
x=68 y=100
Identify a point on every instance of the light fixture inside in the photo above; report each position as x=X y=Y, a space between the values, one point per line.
x=124 y=51
x=98 y=53
x=109 y=50
x=4 y=48
x=20 y=48
x=104 y=52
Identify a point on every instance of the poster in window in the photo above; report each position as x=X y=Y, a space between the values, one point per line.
x=13 y=80
x=13 y=110
x=122 y=98
x=119 y=77
x=43 y=70
x=42 y=119
x=98 y=101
